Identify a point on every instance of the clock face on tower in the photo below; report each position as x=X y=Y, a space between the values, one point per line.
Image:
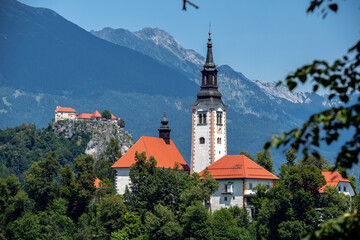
x=219 y=130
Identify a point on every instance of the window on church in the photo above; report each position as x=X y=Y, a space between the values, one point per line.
x=225 y=198
x=219 y=118
x=202 y=118
x=202 y=140
x=250 y=186
x=344 y=189
x=218 y=140
x=339 y=189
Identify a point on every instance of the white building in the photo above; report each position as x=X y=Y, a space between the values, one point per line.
x=237 y=176
x=336 y=180
x=162 y=149
x=62 y=113
x=208 y=138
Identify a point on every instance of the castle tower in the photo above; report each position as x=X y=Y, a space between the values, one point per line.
x=208 y=141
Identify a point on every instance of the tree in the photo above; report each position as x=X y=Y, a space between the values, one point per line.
x=288 y=209
x=85 y=188
x=14 y=203
x=319 y=162
x=162 y=224
x=290 y=157
x=111 y=212
x=122 y=123
x=225 y=225
x=106 y=114
x=341 y=79
x=263 y=158
x=199 y=191
x=334 y=203
x=196 y=223
x=247 y=154
x=40 y=181
x=344 y=227
x=27 y=227
x=151 y=186
x=69 y=190
x=79 y=190
x=55 y=223
x=112 y=153
x=134 y=229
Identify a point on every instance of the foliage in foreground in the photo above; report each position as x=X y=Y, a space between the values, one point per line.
x=62 y=203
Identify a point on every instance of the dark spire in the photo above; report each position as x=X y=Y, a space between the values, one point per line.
x=209 y=63
x=164 y=130
x=209 y=89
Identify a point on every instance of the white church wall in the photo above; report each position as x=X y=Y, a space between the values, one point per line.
x=211 y=131
x=201 y=151
x=220 y=133
x=121 y=179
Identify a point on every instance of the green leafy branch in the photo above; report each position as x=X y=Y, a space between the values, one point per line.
x=342 y=79
x=314 y=4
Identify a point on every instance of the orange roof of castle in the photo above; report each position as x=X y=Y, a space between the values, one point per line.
x=238 y=166
x=332 y=179
x=65 y=109
x=113 y=117
x=84 y=116
x=166 y=155
x=96 y=114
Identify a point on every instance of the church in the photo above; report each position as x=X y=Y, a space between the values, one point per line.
x=236 y=174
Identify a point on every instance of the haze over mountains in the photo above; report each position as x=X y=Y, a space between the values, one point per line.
x=46 y=61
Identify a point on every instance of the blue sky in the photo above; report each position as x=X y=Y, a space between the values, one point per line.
x=263 y=39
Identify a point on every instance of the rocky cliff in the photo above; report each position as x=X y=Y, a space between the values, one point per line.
x=101 y=133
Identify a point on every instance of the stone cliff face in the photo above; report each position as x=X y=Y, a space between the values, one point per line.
x=101 y=133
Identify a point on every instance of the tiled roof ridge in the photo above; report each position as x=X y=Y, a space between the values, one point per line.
x=243 y=163
x=146 y=149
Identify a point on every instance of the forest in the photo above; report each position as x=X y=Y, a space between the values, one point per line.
x=48 y=192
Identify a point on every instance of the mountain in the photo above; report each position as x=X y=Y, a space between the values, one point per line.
x=245 y=96
x=157 y=44
x=41 y=51
x=46 y=61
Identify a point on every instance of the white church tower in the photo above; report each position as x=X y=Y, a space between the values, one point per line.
x=208 y=138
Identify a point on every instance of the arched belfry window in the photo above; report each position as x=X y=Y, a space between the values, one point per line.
x=202 y=118
x=219 y=140
x=219 y=118
x=202 y=140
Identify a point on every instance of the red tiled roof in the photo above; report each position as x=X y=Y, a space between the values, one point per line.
x=332 y=179
x=65 y=109
x=165 y=154
x=96 y=114
x=97 y=183
x=238 y=166
x=84 y=116
x=113 y=117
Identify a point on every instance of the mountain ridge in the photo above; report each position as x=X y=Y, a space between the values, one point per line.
x=89 y=73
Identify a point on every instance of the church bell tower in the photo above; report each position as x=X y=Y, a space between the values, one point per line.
x=208 y=140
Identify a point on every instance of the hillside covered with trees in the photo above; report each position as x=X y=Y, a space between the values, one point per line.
x=56 y=198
